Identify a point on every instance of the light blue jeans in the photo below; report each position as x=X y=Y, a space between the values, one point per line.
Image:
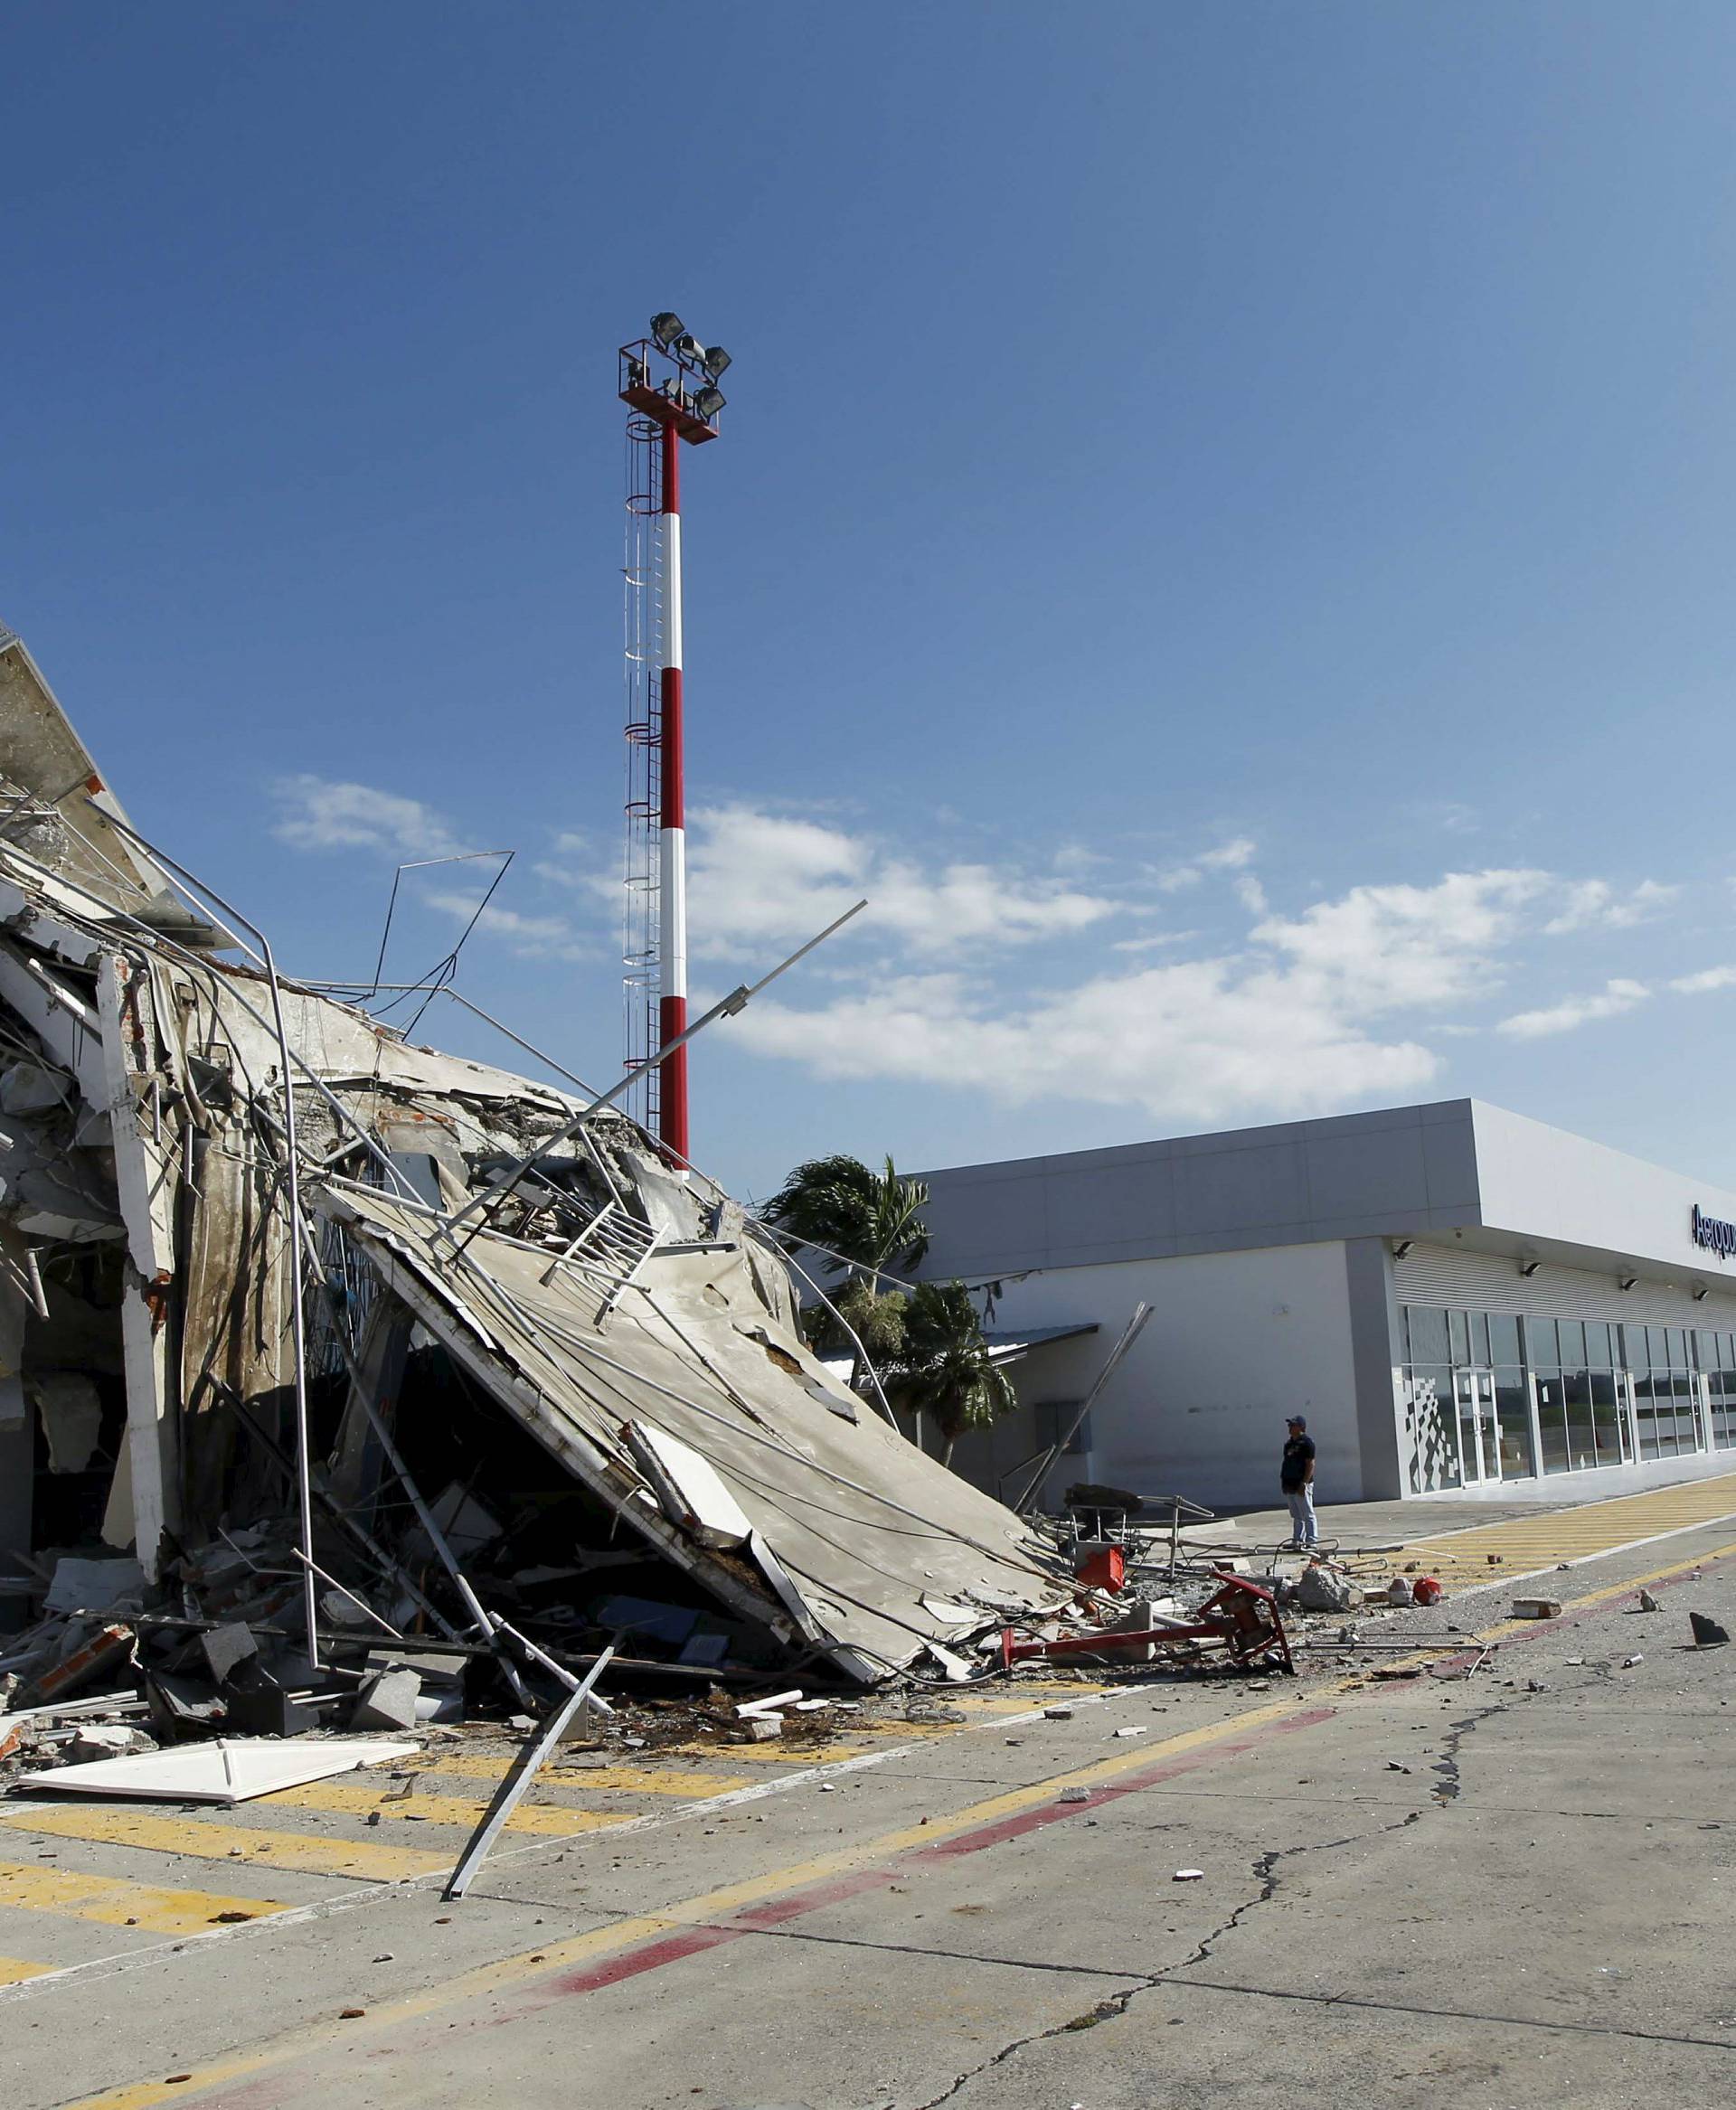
x=1305 y=1530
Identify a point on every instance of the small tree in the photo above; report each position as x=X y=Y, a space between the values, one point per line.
x=860 y=1221
x=945 y=1367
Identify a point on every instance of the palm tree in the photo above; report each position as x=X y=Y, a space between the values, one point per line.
x=946 y=1368
x=857 y=1220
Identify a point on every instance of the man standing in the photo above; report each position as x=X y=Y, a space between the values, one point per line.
x=1296 y=1477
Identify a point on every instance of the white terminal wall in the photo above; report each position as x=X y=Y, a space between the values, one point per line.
x=1236 y=1342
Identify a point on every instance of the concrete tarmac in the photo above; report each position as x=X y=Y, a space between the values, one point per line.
x=1501 y=1887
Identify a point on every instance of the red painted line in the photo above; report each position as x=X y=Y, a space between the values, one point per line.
x=653 y=1956
x=1133 y=1783
x=839 y=1891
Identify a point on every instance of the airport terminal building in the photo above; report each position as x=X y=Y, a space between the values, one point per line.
x=1460 y=1301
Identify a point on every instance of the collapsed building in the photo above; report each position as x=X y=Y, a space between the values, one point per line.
x=305 y=1325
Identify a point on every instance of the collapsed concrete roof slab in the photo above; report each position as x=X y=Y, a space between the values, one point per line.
x=863 y=1525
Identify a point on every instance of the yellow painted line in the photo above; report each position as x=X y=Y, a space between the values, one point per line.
x=1460 y=1558
x=14 y=1970
x=462 y=1810
x=310 y=2039
x=213 y=1840
x=631 y=1779
x=773 y=1754
x=116 y=1901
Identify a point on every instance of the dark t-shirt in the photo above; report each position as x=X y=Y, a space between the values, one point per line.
x=1298 y=1455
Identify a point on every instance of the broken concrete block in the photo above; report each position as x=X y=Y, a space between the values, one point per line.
x=1323 y=1589
x=387 y=1701
x=226 y=1648
x=760 y=1729
x=94 y=1586
x=101 y=1739
x=337 y=1610
x=1536 y=1607
x=1707 y=1633
x=180 y=1708
x=1075 y=1794
x=27 y=1088
x=261 y=1707
x=105 y=1654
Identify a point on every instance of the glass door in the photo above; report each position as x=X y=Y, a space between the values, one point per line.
x=1479 y=1427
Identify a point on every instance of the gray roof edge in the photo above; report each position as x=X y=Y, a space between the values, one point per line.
x=1432 y=1112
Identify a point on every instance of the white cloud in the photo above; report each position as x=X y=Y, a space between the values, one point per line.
x=1596 y=905
x=759 y=879
x=1160 y=941
x=315 y=813
x=530 y=936
x=1382 y=948
x=1290 y=1026
x=1615 y=998
x=1704 y=982
x=1230 y=856
x=571 y=862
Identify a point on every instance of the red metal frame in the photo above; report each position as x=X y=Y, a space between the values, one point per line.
x=1241 y=1619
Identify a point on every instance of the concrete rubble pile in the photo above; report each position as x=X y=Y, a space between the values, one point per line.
x=399 y=1434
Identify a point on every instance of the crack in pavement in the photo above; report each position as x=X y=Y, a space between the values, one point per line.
x=1266 y=1871
x=1400 y=2007
x=1115 y=2005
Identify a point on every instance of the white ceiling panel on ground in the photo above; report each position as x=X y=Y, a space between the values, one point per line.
x=218 y=1771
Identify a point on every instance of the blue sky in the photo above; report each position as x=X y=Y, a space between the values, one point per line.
x=1222 y=531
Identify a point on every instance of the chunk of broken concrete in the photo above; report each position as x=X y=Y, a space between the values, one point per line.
x=180 y=1708
x=101 y=1739
x=387 y=1701
x=226 y=1648
x=259 y=1706
x=1323 y=1589
x=1536 y=1607
x=760 y=1729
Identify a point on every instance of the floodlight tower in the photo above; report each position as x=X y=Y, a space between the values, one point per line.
x=668 y=381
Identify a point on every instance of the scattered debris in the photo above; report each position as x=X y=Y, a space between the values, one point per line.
x=1075 y=1794
x=1536 y=1608
x=1707 y=1633
x=1647 y=1602
x=1188 y=1875
x=1628 y=1663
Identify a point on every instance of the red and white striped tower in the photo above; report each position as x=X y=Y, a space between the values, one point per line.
x=669 y=385
x=672 y=847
